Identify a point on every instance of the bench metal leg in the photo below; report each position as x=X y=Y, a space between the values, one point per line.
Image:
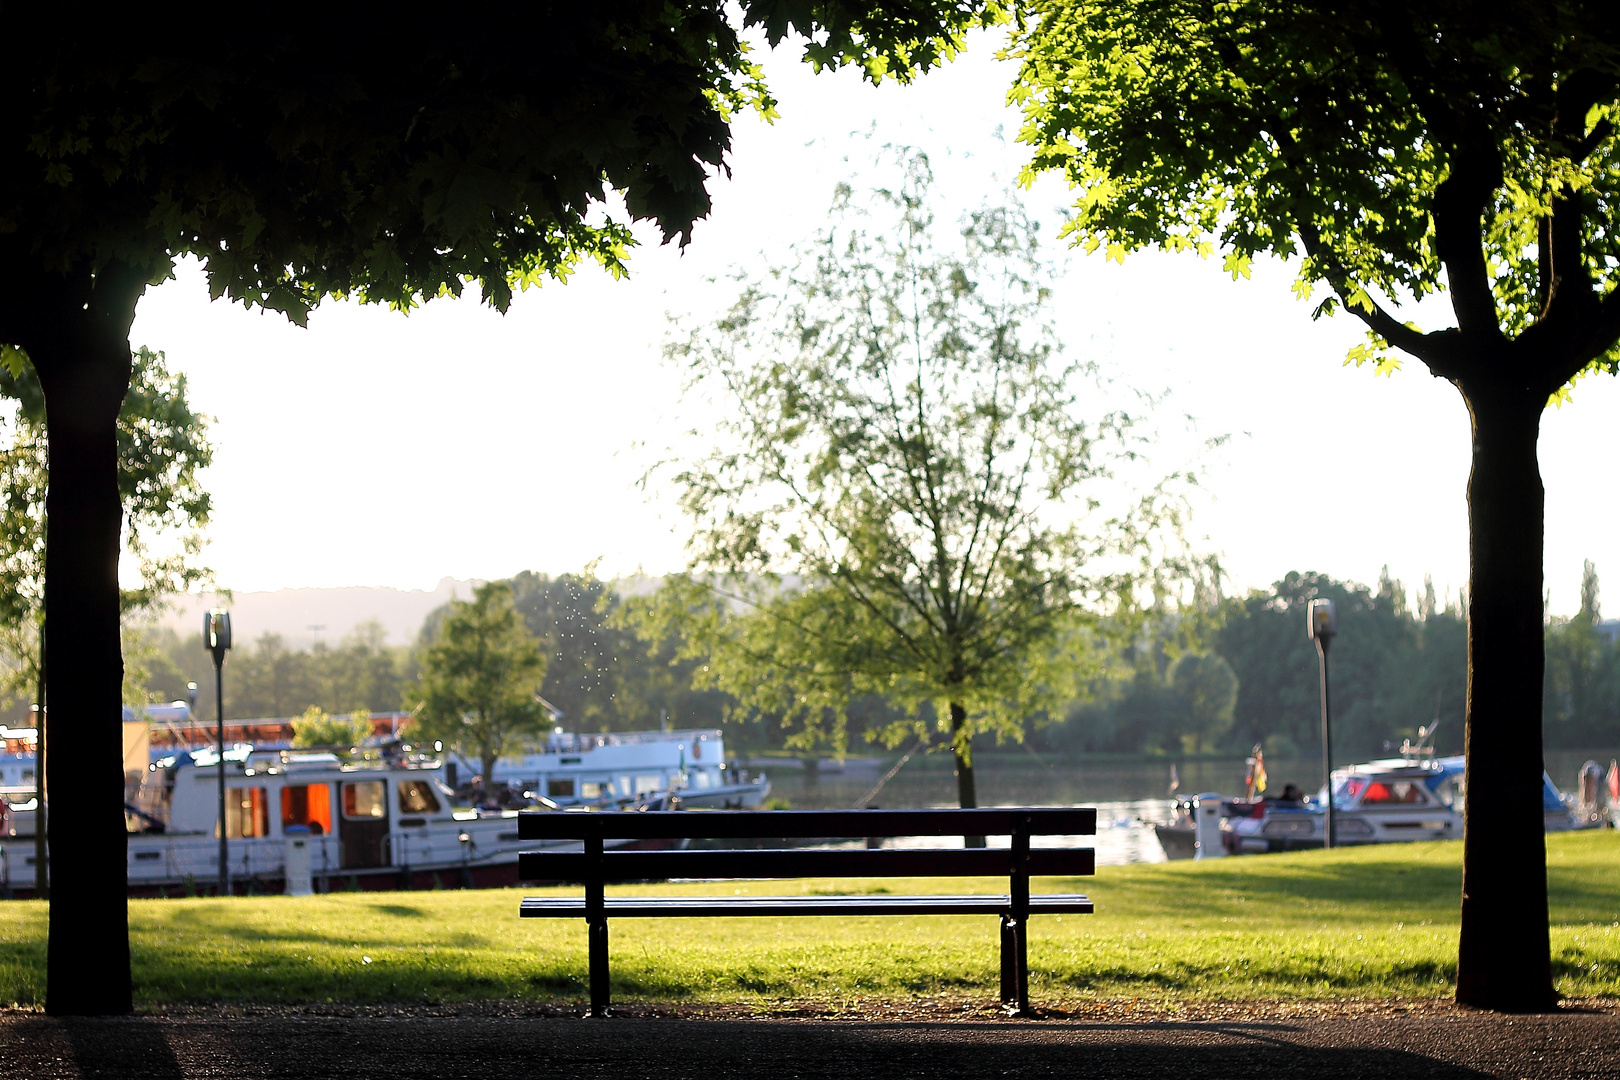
x=1014 y=966
x=597 y=933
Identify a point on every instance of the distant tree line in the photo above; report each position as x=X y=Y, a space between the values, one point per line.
x=265 y=677
x=1214 y=682
x=1251 y=677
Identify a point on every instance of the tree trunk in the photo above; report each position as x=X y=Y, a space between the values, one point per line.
x=77 y=335
x=1503 y=957
x=967 y=795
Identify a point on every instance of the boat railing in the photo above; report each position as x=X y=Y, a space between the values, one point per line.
x=1423 y=749
x=566 y=742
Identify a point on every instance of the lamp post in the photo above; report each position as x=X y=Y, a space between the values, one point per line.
x=1322 y=623
x=217 y=636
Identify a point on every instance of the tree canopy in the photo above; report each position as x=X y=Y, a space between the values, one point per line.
x=904 y=499
x=398 y=164
x=1400 y=151
x=316 y=727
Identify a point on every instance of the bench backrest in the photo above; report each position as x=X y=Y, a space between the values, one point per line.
x=804 y=824
x=1017 y=862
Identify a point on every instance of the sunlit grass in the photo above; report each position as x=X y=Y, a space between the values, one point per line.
x=1364 y=923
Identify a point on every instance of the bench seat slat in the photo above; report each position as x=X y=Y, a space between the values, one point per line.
x=772 y=863
x=783 y=906
x=803 y=824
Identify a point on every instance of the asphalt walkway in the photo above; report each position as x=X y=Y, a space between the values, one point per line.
x=1425 y=1043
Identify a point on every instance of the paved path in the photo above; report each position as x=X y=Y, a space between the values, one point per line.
x=1442 y=1043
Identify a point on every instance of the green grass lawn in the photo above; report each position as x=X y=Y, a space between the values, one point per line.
x=1363 y=923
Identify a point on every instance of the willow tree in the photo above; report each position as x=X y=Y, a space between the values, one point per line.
x=388 y=160
x=1396 y=150
x=905 y=496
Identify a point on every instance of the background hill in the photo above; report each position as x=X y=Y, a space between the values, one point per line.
x=292 y=612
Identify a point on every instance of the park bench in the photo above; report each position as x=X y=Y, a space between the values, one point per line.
x=595 y=868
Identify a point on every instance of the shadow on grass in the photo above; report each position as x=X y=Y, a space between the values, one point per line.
x=216 y=921
x=1285 y=887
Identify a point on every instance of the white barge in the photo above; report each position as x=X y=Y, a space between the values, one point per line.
x=386 y=823
x=385 y=820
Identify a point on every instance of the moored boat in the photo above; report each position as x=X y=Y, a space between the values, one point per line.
x=385 y=821
x=1178 y=837
x=1388 y=801
x=608 y=768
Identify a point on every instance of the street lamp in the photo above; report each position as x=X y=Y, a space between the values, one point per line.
x=191 y=715
x=217 y=636
x=1322 y=623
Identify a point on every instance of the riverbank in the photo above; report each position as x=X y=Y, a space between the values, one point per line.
x=1357 y=923
x=1018 y=775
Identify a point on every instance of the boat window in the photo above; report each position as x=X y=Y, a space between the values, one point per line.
x=1346 y=789
x=559 y=789
x=247 y=812
x=647 y=784
x=417 y=797
x=701 y=778
x=307 y=804
x=1392 y=793
x=592 y=789
x=365 y=799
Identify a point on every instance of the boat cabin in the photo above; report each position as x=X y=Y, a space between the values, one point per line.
x=602 y=768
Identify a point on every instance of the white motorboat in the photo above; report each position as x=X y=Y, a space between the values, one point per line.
x=610 y=768
x=1378 y=802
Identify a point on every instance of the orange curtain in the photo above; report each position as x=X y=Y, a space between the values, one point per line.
x=307 y=804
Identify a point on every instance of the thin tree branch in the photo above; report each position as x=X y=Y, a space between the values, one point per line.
x=1439 y=349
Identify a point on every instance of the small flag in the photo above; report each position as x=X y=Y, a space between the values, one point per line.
x=1259 y=771
x=1175 y=782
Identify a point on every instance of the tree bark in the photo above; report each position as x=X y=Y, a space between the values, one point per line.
x=967 y=794
x=1503 y=959
x=76 y=332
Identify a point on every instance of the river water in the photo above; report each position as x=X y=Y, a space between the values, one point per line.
x=1129 y=796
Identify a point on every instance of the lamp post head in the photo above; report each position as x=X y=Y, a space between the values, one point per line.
x=191 y=695
x=1322 y=621
x=217 y=633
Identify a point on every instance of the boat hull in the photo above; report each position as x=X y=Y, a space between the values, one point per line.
x=1178 y=843
x=163 y=866
x=750 y=796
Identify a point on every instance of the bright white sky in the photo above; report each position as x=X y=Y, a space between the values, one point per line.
x=375 y=448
